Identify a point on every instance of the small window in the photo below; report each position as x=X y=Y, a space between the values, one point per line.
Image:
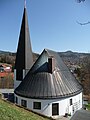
x=37 y=105
x=16 y=100
x=24 y=103
x=70 y=101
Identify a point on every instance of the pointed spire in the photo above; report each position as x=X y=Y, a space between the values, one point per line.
x=24 y=59
x=24 y=3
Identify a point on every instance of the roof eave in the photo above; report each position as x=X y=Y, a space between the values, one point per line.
x=51 y=97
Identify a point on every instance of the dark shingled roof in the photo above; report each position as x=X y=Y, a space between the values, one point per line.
x=24 y=59
x=39 y=83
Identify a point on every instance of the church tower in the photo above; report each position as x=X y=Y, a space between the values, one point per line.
x=24 y=58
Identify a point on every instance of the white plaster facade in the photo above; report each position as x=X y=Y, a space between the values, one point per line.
x=17 y=82
x=46 y=104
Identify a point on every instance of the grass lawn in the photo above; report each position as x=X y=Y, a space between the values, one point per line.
x=88 y=106
x=12 y=112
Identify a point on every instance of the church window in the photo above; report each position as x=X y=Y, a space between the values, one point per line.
x=24 y=103
x=70 y=101
x=37 y=105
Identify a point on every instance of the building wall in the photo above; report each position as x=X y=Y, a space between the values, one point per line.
x=17 y=82
x=46 y=105
x=76 y=104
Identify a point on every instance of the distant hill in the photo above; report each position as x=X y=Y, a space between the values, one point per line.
x=68 y=56
x=3 y=52
x=73 y=57
x=6 y=53
x=78 y=63
x=9 y=57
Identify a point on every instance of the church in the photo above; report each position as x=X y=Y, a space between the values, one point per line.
x=45 y=86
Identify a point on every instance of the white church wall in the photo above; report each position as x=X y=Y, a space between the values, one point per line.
x=76 y=103
x=63 y=105
x=16 y=82
x=46 y=105
x=25 y=71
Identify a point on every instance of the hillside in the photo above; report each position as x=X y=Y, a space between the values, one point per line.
x=9 y=57
x=68 y=56
x=11 y=112
x=73 y=57
x=78 y=63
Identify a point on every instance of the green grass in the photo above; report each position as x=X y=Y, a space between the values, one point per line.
x=12 y=112
x=88 y=106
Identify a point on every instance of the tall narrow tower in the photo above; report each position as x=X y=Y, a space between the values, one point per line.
x=24 y=58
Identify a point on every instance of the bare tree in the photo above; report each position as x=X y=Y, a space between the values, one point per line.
x=85 y=23
x=80 y=1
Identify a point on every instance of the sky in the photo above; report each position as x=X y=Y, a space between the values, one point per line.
x=52 y=24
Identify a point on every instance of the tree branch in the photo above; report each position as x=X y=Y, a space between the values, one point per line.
x=80 y=1
x=83 y=23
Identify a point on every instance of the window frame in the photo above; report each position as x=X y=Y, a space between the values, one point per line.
x=24 y=103
x=37 y=105
x=71 y=102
